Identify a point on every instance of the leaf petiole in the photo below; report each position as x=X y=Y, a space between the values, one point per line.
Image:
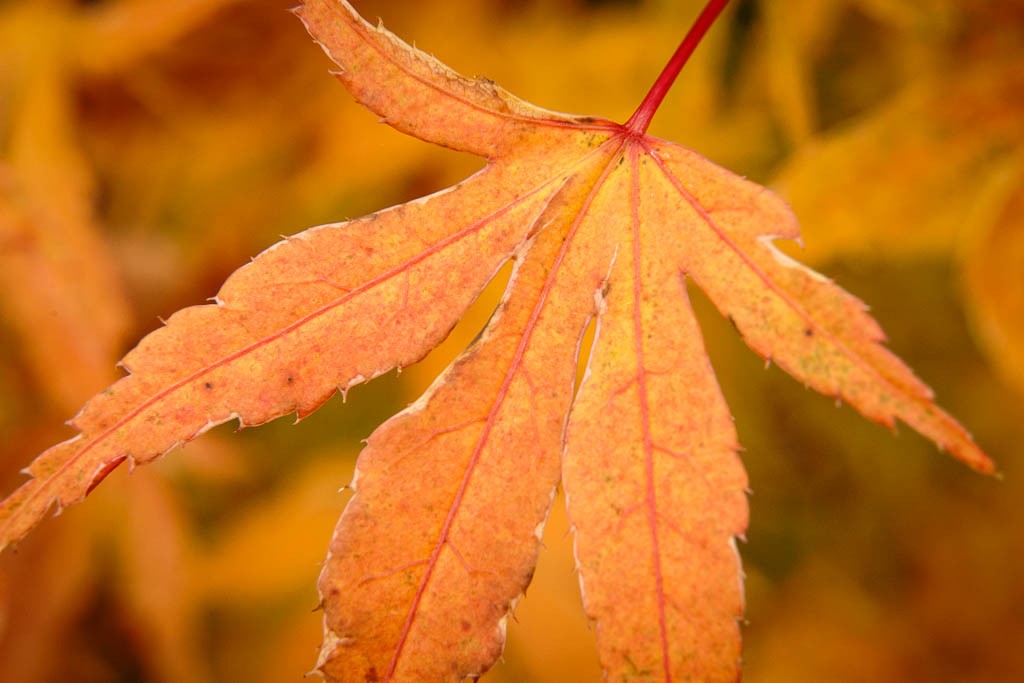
x=641 y=118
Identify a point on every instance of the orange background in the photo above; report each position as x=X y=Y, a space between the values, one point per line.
x=148 y=148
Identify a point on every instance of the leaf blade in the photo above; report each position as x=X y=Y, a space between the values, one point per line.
x=451 y=494
x=791 y=315
x=655 y=491
x=265 y=345
x=424 y=97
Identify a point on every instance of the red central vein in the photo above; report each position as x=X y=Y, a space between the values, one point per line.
x=645 y=419
x=493 y=413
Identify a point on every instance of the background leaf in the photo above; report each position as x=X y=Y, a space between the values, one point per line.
x=197 y=167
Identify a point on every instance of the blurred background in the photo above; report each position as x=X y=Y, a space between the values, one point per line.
x=149 y=148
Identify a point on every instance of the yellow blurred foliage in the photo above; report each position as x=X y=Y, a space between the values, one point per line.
x=148 y=148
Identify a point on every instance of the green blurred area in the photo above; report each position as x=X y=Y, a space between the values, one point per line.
x=147 y=149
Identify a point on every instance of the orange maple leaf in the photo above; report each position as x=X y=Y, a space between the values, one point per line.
x=602 y=221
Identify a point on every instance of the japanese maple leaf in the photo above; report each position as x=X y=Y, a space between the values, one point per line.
x=442 y=534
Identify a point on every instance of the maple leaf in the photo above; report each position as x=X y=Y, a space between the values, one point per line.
x=602 y=222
